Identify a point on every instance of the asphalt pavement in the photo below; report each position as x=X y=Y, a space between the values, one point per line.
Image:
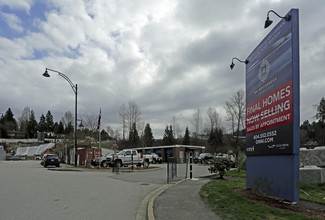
x=31 y=192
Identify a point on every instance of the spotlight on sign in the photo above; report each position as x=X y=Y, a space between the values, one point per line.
x=268 y=22
x=232 y=65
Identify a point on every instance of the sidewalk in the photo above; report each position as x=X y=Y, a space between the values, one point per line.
x=182 y=201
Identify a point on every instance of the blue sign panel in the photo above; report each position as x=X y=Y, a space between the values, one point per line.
x=272 y=112
x=270 y=92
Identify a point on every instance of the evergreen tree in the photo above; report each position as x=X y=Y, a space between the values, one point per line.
x=9 y=121
x=171 y=135
x=212 y=139
x=49 y=121
x=148 y=139
x=104 y=135
x=168 y=138
x=219 y=136
x=56 y=128
x=165 y=138
x=305 y=125
x=133 y=136
x=186 y=140
x=32 y=125
x=215 y=139
x=320 y=127
x=3 y=131
x=61 y=128
x=321 y=111
x=69 y=128
x=42 y=124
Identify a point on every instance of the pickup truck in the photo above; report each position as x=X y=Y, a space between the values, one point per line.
x=128 y=157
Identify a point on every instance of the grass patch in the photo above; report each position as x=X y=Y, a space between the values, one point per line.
x=309 y=192
x=106 y=145
x=235 y=173
x=313 y=192
x=220 y=196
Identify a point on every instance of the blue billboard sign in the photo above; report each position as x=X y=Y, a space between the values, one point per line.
x=272 y=112
x=272 y=87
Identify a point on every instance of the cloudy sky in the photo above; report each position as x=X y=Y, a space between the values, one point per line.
x=170 y=56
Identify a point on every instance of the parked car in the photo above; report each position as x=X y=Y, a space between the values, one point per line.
x=13 y=158
x=96 y=161
x=156 y=158
x=203 y=158
x=103 y=161
x=37 y=157
x=43 y=159
x=128 y=157
x=51 y=160
x=220 y=155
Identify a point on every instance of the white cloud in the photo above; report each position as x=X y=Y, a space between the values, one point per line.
x=13 y=21
x=171 y=57
x=18 y=4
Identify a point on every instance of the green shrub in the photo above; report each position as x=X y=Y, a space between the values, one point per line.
x=220 y=166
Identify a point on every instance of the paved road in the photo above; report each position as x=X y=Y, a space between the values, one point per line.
x=29 y=191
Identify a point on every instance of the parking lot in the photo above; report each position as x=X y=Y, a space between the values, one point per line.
x=30 y=191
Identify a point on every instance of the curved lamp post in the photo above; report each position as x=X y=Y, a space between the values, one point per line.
x=232 y=65
x=75 y=90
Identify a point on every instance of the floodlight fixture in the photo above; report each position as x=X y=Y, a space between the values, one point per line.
x=232 y=65
x=268 y=22
x=46 y=74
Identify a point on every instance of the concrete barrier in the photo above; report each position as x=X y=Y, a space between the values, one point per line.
x=312 y=165
x=312 y=175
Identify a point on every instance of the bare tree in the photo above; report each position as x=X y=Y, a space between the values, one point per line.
x=230 y=116
x=197 y=122
x=123 y=115
x=176 y=127
x=213 y=120
x=235 y=108
x=90 y=121
x=110 y=131
x=133 y=114
x=23 y=119
x=237 y=103
x=129 y=116
x=117 y=134
x=67 y=119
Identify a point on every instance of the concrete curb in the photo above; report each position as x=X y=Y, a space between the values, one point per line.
x=65 y=169
x=82 y=169
x=145 y=210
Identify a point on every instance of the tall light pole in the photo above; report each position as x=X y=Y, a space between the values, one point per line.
x=75 y=90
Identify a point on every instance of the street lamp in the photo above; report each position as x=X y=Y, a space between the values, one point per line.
x=232 y=65
x=75 y=90
x=268 y=22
